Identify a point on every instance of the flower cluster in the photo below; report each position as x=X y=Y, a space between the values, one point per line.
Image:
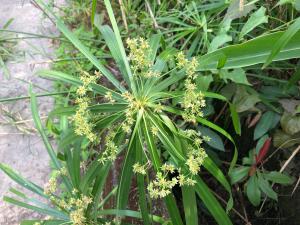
x=161 y=186
x=77 y=207
x=140 y=58
x=51 y=186
x=139 y=53
x=185 y=180
x=133 y=106
x=195 y=160
x=82 y=116
x=138 y=168
x=111 y=149
x=196 y=153
x=108 y=96
x=193 y=100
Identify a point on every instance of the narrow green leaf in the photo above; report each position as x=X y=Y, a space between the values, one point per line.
x=111 y=40
x=129 y=213
x=44 y=222
x=57 y=75
x=77 y=43
x=252 y=52
x=21 y=180
x=294 y=78
x=94 y=7
x=235 y=119
x=169 y=200
x=119 y=42
x=211 y=203
x=36 y=209
x=282 y=42
x=218 y=174
x=126 y=174
x=141 y=181
x=189 y=205
x=39 y=126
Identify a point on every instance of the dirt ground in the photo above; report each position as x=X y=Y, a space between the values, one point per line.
x=20 y=145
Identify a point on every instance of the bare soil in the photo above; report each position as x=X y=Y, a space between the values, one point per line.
x=20 y=145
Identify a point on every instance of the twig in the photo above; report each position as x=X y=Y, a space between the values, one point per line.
x=233 y=209
x=281 y=170
x=152 y=15
x=242 y=203
x=123 y=15
x=16 y=133
x=220 y=113
x=241 y=6
x=34 y=3
x=279 y=148
x=296 y=186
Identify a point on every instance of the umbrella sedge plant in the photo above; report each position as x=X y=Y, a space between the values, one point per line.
x=136 y=118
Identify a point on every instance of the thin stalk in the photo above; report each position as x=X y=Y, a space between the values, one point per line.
x=38 y=95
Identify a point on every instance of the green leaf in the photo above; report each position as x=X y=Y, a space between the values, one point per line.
x=111 y=40
x=284 y=140
x=38 y=203
x=4 y=68
x=268 y=121
x=212 y=168
x=119 y=43
x=252 y=52
x=283 y=41
x=257 y=18
x=253 y=191
x=290 y=123
x=94 y=7
x=21 y=180
x=141 y=181
x=77 y=43
x=126 y=174
x=215 y=142
x=294 y=79
x=235 y=119
x=218 y=41
x=243 y=100
x=39 y=126
x=265 y=187
x=44 y=222
x=237 y=75
x=169 y=200
x=211 y=203
x=57 y=75
x=102 y=108
x=278 y=177
x=129 y=213
x=203 y=82
x=58 y=215
x=239 y=173
x=189 y=205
